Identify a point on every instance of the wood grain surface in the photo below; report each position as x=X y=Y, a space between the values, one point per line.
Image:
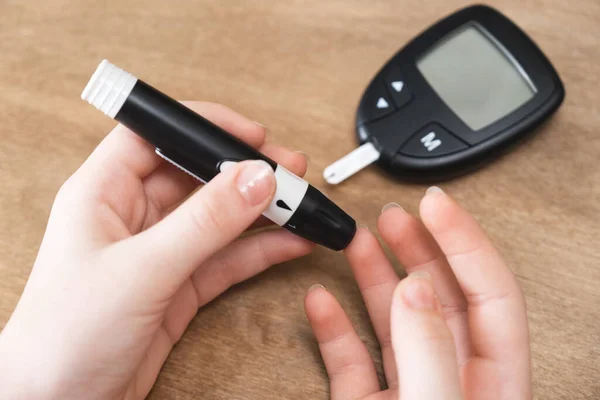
x=299 y=67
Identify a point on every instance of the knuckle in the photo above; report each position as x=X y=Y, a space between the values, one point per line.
x=262 y=253
x=407 y=227
x=224 y=278
x=478 y=299
x=343 y=369
x=450 y=310
x=468 y=251
x=226 y=271
x=347 y=366
x=385 y=341
x=437 y=334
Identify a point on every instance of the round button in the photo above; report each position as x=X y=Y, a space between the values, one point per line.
x=432 y=141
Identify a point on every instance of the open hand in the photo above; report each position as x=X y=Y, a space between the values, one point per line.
x=458 y=326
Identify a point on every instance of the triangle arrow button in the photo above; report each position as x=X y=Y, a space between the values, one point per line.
x=398 y=86
x=382 y=103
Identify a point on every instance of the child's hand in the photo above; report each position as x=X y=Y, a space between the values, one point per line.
x=458 y=322
x=119 y=276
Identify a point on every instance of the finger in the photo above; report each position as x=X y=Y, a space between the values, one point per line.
x=423 y=345
x=293 y=161
x=377 y=280
x=496 y=308
x=239 y=261
x=348 y=363
x=168 y=252
x=244 y=259
x=416 y=250
x=115 y=151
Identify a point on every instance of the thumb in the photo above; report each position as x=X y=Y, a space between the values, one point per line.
x=423 y=345
x=169 y=252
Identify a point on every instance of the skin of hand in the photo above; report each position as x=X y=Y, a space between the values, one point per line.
x=455 y=328
x=130 y=253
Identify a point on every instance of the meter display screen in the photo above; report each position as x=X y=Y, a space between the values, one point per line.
x=476 y=76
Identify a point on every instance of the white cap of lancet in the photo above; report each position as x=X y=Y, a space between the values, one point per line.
x=108 y=88
x=351 y=163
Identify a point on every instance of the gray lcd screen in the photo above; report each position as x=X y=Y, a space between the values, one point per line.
x=476 y=77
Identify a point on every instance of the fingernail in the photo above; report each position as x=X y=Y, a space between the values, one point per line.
x=418 y=293
x=256 y=181
x=316 y=286
x=391 y=205
x=261 y=125
x=227 y=165
x=265 y=128
x=365 y=227
x=306 y=156
x=421 y=275
x=433 y=190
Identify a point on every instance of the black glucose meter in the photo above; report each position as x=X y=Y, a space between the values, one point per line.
x=462 y=92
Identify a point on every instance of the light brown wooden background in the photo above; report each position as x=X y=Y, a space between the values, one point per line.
x=300 y=66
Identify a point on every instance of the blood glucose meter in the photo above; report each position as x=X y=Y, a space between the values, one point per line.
x=461 y=93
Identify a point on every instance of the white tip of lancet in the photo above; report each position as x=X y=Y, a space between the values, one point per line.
x=108 y=88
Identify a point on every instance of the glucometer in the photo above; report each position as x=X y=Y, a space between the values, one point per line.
x=203 y=150
x=455 y=97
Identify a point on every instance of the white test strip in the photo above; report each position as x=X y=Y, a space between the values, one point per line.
x=351 y=163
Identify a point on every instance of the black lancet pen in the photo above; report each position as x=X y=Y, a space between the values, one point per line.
x=202 y=149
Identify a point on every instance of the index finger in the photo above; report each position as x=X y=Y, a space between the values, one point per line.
x=496 y=308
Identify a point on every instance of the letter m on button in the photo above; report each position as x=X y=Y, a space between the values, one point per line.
x=430 y=142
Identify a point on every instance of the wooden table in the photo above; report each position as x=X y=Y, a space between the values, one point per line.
x=299 y=66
